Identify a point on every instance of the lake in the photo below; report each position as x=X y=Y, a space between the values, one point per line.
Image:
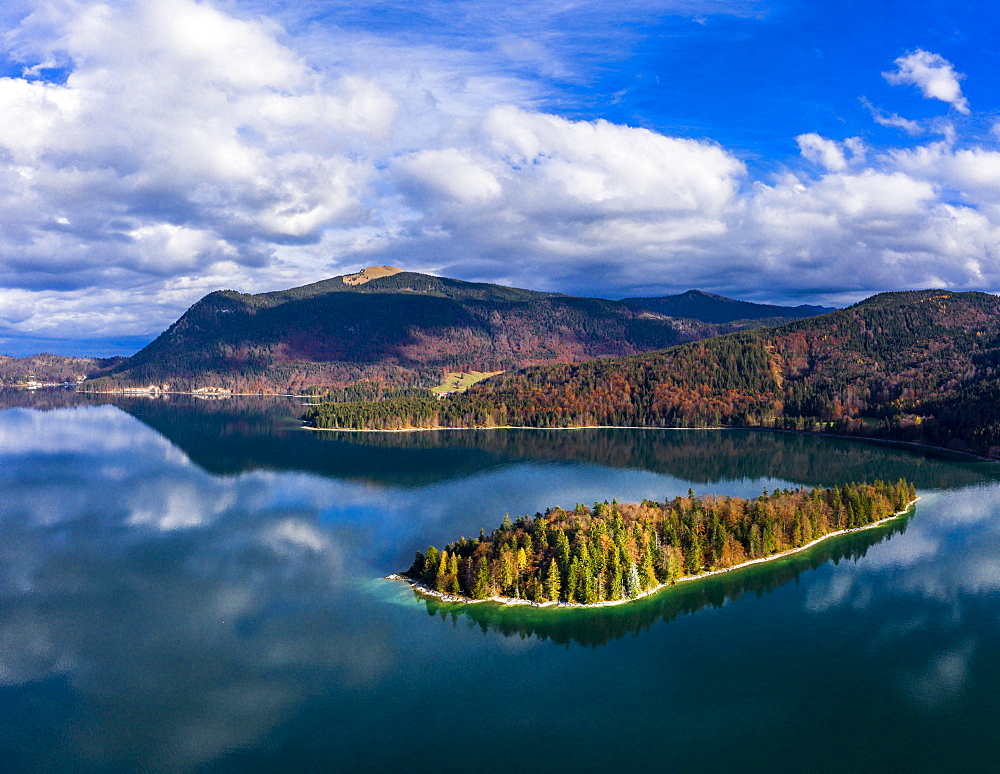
x=191 y=585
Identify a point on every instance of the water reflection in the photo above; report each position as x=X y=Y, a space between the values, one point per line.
x=207 y=597
x=245 y=433
x=598 y=627
x=937 y=587
x=184 y=614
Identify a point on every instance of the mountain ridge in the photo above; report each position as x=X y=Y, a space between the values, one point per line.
x=713 y=308
x=395 y=329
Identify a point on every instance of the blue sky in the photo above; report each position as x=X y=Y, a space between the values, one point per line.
x=154 y=150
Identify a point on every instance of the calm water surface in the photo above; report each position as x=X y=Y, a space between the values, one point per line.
x=196 y=586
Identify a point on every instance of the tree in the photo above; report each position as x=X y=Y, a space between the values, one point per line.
x=481 y=589
x=553 y=581
x=431 y=563
x=441 y=576
x=633 y=586
x=455 y=586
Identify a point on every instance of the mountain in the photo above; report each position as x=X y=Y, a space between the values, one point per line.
x=916 y=366
x=710 y=308
x=388 y=327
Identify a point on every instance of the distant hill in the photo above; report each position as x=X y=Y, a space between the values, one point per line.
x=710 y=308
x=383 y=326
x=917 y=366
x=51 y=369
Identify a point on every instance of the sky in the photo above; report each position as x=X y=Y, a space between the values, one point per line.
x=791 y=151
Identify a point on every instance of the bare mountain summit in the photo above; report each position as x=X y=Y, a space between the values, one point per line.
x=367 y=275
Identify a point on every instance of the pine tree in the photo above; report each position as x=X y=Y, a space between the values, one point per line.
x=633 y=586
x=481 y=588
x=563 y=555
x=454 y=587
x=573 y=591
x=441 y=576
x=417 y=568
x=553 y=581
x=431 y=563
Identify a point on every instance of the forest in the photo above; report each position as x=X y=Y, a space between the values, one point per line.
x=616 y=552
x=915 y=366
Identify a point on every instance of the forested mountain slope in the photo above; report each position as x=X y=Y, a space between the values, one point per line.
x=399 y=328
x=920 y=365
x=711 y=308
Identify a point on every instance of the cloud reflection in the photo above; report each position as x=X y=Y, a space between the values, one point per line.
x=188 y=614
x=948 y=557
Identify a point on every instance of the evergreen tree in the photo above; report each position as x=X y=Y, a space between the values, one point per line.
x=454 y=585
x=633 y=585
x=481 y=588
x=431 y=563
x=553 y=581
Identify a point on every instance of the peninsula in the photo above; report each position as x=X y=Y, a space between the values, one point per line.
x=916 y=366
x=613 y=553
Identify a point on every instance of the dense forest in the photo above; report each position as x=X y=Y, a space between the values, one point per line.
x=915 y=366
x=397 y=331
x=615 y=552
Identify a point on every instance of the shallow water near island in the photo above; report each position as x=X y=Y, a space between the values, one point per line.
x=197 y=586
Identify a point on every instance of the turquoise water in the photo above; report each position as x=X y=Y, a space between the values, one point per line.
x=197 y=586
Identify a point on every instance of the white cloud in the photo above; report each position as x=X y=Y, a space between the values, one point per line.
x=934 y=75
x=533 y=199
x=893 y=120
x=189 y=149
x=616 y=167
x=831 y=155
x=449 y=174
x=974 y=172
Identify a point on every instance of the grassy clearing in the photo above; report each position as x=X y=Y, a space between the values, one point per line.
x=460 y=381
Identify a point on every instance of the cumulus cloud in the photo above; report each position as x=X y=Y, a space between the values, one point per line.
x=830 y=154
x=934 y=75
x=182 y=139
x=154 y=151
x=563 y=196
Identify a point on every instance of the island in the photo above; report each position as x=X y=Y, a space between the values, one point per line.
x=614 y=552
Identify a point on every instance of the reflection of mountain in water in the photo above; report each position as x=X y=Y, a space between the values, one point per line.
x=44 y=399
x=239 y=434
x=598 y=626
x=705 y=456
x=233 y=435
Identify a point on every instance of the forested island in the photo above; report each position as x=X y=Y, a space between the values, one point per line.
x=615 y=552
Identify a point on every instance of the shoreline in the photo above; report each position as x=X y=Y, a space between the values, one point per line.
x=158 y=393
x=422 y=588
